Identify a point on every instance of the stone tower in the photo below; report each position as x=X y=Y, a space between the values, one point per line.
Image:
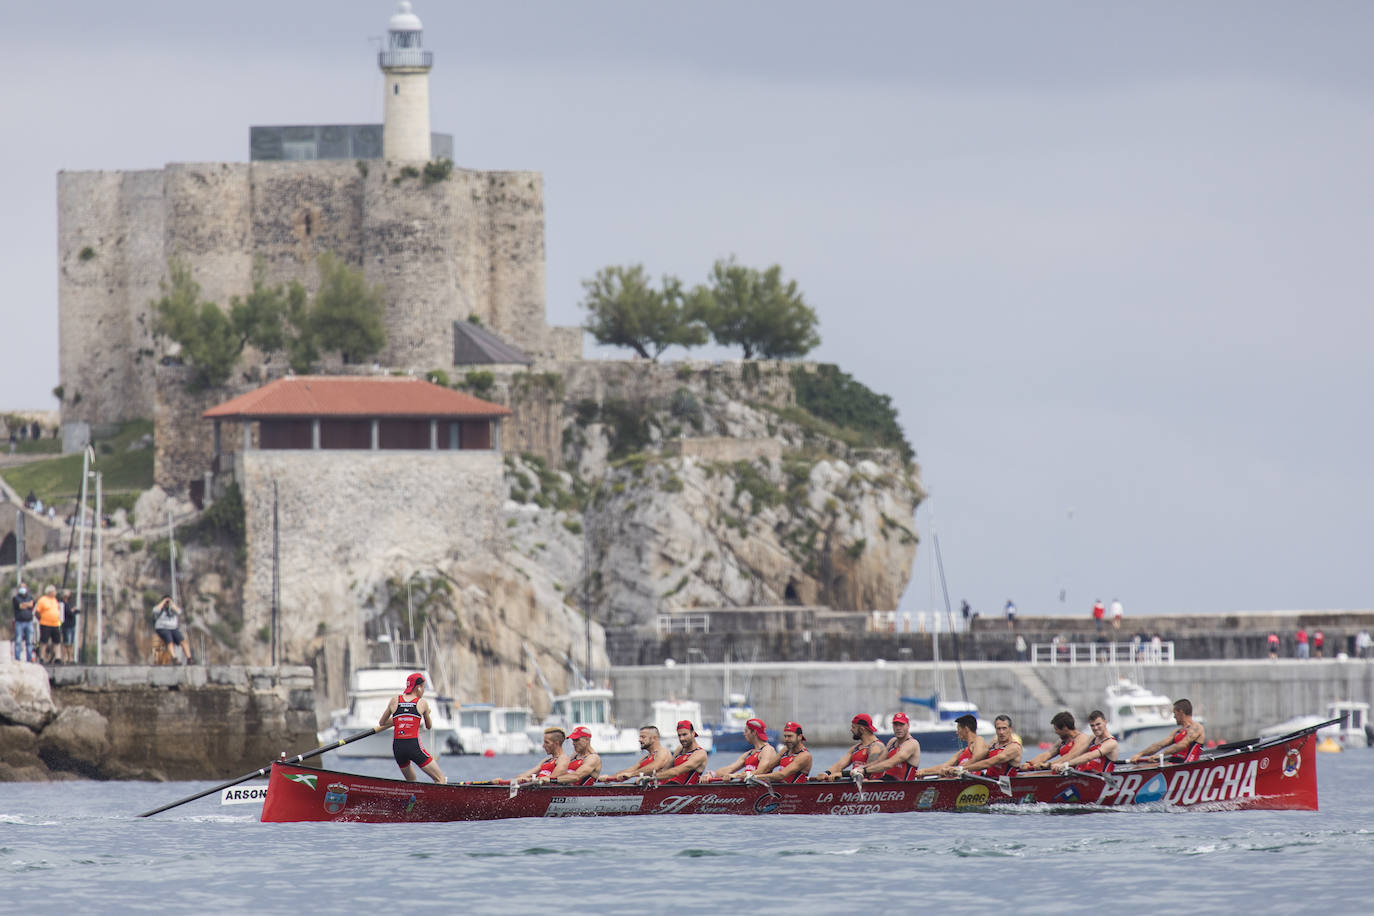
x=405 y=68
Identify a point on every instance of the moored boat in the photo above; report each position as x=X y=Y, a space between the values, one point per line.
x=1278 y=774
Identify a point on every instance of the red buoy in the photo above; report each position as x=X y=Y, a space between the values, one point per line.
x=488 y=753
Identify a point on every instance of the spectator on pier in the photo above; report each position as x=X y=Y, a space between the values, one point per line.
x=1273 y=645
x=1020 y=648
x=1362 y=643
x=22 y=604
x=49 y=613
x=69 y=612
x=167 y=627
x=1318 y=640
x=1099 y=613
x=1117 y=612
x=1011 y=615
x=1301 y=650
x=966 y=611
x=1156 y=648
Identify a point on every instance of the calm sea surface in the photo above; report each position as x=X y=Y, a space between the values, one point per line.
x=77 y=847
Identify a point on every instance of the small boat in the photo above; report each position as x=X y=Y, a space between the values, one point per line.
x=1274 y=774
x=1137 y=717
x=370 y=691
x=1353 y=729
x=488 y=730
x=937 y=735
x=589 y=707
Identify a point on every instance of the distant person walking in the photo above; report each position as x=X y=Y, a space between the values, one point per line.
x=1318 y=640
x=1301 y=649
x=966 y=611
x=1099 y=614
x=1011 y=615
x=1117 y=613
x=1273 y=645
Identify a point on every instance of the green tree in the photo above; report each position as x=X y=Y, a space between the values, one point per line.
x=625 y=310
x=757 y=311
x=347 y=314
x=207 y=338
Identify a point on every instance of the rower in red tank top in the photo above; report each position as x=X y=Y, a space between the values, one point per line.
x=966 y=728
x=1003 y=757
x=655 y=757
x=1184 y=745
x=406 y=713
x=759 y=758
x=585 y=765
x=552 y=766
x=868 y=747
x=690 y=760
x=903 y=754
x=1072 y=742
x=795 y=762
x=1100 y=754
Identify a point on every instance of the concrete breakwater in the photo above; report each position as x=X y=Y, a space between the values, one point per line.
x=1237 y=697
x=139 y=722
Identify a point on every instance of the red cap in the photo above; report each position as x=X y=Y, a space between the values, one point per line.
x=793 y=727
x=416 y=678
x=580 y=732
x=757 y=727
x=865 y=720
x=687 y=724
x=900 y=717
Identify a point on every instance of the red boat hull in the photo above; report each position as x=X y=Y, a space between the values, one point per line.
x=1278 y=775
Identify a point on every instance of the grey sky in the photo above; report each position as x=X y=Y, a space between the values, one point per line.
x=1110 y=261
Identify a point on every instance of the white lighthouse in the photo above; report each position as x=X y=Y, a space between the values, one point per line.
x=405 y=70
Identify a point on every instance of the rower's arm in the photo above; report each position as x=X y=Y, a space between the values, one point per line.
x=694 y=762
x=768 y=759
x=559 y=768
x=731 y=767
x=835 y=770
x=1011 y=755
x=1156 y=748
x=800 y=764
x=1107 y=749
x=386 y=715
x=591 y=766
x=424 y=711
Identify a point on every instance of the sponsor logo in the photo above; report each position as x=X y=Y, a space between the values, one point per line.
x=1222 y=782
x=700 y=804
x=1026 y=798
x=927 y=799
x=1068 y=794
x=855 y=809
x=767 y=804
x=303 y=778
x=410 y=804
x=335 y=797
x=250 y=796
x=972 y=797
x=592 y=805
x=1292 y=762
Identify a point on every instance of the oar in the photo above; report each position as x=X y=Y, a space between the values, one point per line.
x=1001 y=782
x=324 y=748
x=858 y=778
x=765 y=784
x=1108 y=778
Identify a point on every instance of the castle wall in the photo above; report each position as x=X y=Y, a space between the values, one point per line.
x=471 y=243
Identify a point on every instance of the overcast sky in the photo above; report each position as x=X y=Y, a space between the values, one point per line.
x=1111 y=261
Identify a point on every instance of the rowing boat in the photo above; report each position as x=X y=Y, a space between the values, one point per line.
x=1277 y=773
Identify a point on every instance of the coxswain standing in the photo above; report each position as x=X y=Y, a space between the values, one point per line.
x=656 y=757
x=690 y=760
x=1100 y=754
x=903 y=754
x=1184 y=745
x=552 y=766
x=585 y=764
x=975 y=748
x=407 y=713
x=1004 y=755
x=1072 y=742
x=760 y=758
x=868 y=747
x=795 y=763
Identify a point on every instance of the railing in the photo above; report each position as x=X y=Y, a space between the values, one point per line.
x=1102 y=653
x=683 y=623
x=405 y=57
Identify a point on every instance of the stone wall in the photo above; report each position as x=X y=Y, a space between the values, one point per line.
x=471 y=244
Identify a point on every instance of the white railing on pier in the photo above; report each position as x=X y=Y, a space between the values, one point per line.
x=683 y=623
x=1102 y=653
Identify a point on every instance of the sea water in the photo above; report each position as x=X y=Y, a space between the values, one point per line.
x=77 y=847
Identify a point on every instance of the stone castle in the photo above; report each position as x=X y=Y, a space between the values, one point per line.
x=445 y=246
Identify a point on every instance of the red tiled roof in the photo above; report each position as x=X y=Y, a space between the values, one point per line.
x=353 y=396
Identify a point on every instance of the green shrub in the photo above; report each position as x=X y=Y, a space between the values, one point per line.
x=572 y=525
x=837 y=397
x=87 y=253
x=479 y=382
x=438 y=170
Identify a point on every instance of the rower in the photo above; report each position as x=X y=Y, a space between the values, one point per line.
x=868 y=747
x=1184 y=745
x=795 y=762
x=655 y=757
x=1003 y=756
x=760 y=758
x=975 y=747
x=903 y=754
x=1072 y=742
x=690 y=760
x=1100 y=754
x=552 y=766
x=407 y=713
x=585 y=764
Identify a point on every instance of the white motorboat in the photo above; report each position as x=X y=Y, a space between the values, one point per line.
x=1136 y=717
x=589 y=707
x=1354 y=729
x=488 y=730
x=370 y=691
x=668 y=713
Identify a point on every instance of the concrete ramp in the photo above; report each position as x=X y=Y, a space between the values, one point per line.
x=1035 y=685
